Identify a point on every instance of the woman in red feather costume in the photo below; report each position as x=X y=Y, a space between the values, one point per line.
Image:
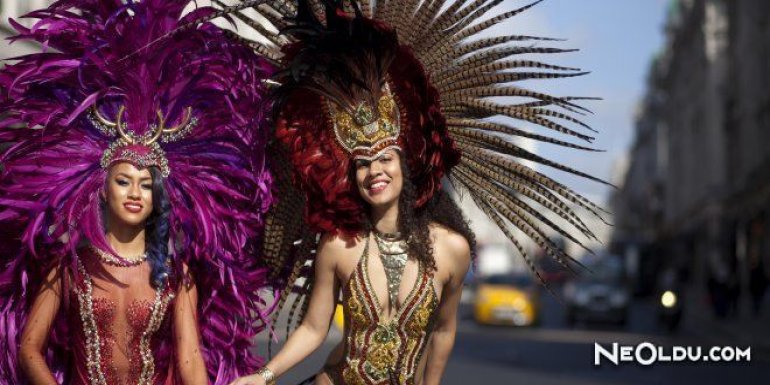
x=379 y=109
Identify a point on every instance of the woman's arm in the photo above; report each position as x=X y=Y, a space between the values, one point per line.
x=34 y=337
x=457 y=251
x=315 y=326
x=190 y=364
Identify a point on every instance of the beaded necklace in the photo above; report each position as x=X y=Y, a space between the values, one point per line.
x=393 y=254
x=124 y=262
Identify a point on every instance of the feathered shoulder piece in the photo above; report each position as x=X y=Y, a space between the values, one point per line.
x=144 y=82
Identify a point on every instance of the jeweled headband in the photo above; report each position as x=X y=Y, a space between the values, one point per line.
x=367 y=132
x=142 y=150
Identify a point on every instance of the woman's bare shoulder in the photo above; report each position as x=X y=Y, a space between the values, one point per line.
x=444 y=236
x=340 y=243
x=451 y=247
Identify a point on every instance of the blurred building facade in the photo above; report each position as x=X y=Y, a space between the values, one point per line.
x=696 y=195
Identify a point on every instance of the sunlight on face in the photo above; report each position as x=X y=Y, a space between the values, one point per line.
x=380 y=180
x=129 y=194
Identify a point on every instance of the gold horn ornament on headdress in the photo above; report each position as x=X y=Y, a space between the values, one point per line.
x=144 y=150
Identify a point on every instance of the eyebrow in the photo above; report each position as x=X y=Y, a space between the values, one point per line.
x=129 y=176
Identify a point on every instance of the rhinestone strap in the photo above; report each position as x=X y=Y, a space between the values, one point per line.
x=148 y=361
x=93 y=353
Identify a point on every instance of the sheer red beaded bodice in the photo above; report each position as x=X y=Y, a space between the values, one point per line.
x=117 y=339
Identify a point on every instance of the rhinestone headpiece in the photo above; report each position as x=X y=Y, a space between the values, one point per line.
x=140 y=150
x=366 y=133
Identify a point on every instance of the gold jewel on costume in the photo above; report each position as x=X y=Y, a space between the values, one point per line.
x=112 y=260
x=96 y=373
x=366 y=132
x=141 y=150
x=393 y=254
x=380 y=349
x=267 y=374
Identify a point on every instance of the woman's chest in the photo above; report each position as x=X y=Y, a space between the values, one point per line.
x=111 y=303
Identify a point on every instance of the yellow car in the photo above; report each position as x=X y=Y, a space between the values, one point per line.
x=506 y=299
x=339 y=317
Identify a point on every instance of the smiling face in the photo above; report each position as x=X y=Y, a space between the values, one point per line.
x=380 y=180
x=129 y=194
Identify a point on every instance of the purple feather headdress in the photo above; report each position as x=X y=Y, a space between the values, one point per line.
x=59 y=109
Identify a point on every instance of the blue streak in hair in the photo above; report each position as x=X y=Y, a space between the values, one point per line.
x=157 y=231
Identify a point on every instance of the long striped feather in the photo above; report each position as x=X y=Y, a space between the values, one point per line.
x=469 y=69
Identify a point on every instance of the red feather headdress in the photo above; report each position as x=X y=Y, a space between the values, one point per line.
x=339 y=59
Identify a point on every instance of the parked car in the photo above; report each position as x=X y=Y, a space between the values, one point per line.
x=507 y=299
x=601 y=294
x=551 y=271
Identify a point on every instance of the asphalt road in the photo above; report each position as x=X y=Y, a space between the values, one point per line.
x=553 y=353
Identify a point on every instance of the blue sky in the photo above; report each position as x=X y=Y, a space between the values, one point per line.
x=617 y=39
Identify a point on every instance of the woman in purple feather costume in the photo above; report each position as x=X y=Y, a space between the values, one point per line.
x=133 y=189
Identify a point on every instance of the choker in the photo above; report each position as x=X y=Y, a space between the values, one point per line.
x=112 y=260
x=387 y=236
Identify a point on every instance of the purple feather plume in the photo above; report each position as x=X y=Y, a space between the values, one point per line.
x=219 y=186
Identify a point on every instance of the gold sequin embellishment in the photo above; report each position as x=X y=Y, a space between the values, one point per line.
x=380 y=349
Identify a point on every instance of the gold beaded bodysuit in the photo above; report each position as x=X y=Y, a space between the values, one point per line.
x=383 y=351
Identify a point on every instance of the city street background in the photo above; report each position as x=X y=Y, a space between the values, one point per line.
x=554 y=353
x=685 y=122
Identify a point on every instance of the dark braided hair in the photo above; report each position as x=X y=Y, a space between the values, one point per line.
x=157 y=231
